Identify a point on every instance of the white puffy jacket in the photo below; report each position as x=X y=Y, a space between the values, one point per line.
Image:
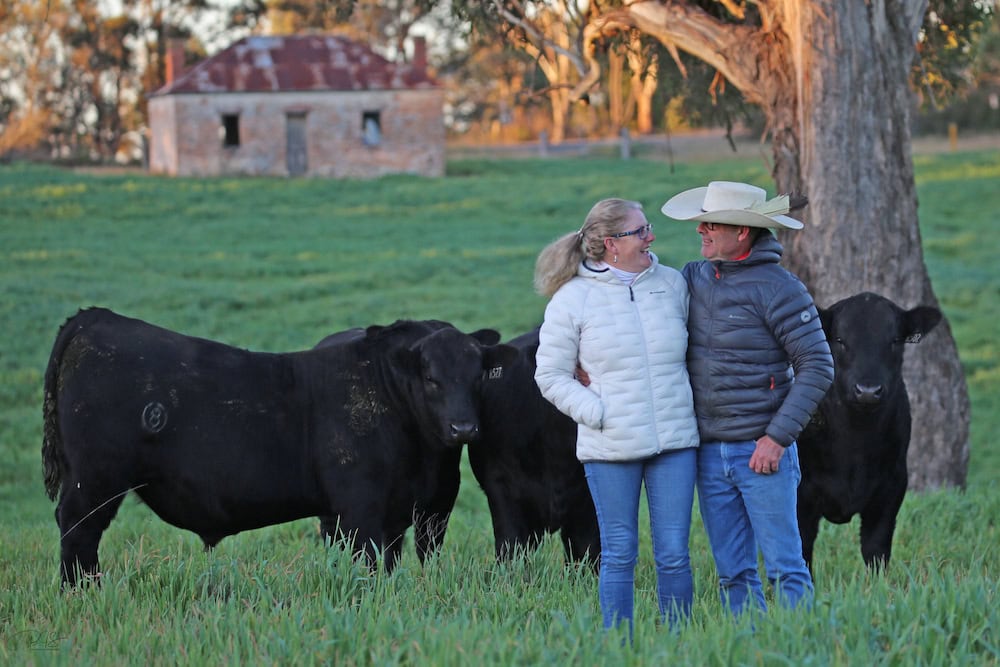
x=632 y=342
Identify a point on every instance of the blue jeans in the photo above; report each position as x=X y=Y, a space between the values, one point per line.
x=741 y=510
x=615 y=487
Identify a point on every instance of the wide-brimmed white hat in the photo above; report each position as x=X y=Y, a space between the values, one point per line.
x=731 y=204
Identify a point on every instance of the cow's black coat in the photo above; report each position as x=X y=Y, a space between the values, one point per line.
x=526 y=464
x=853 y=451
x=218 y=440
x=440 y=471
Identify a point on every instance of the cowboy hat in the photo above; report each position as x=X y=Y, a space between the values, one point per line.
x=731 y=204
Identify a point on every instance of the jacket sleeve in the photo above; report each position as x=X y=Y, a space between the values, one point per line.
x=556 y=359
x=796 y=326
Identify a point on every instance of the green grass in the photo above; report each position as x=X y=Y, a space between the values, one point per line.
x=272 y=264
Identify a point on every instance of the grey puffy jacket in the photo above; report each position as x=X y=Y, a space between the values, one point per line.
x=757 y=356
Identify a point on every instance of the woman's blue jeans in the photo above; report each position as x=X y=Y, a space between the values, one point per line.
x=669 y=479
x=741 y=510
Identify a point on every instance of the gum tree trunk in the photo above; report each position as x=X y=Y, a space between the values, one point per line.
x=863 y=234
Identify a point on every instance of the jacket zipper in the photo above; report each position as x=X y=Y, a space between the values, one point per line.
x=645 y=364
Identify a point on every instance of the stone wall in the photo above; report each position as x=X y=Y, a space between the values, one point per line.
x=187 y=133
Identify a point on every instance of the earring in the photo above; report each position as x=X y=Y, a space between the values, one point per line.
x=616 y=259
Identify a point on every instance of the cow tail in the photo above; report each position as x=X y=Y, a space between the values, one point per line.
x=53 y=458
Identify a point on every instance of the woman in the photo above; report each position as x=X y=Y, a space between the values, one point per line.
x=622 y=316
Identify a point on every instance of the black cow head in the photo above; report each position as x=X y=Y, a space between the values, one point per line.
x=444 y=371
x=867 y=334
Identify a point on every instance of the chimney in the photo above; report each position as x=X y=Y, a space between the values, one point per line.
x=420 y=53
x=175 y=60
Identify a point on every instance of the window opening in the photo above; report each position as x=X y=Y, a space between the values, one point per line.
x=230 y=129
x=371 y=128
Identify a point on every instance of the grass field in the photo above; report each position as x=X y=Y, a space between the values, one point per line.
x=275 y=265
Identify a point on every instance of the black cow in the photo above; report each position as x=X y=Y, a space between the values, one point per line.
x=853 y=451
x=440 y=471
x=526 y=464
x=218 y=440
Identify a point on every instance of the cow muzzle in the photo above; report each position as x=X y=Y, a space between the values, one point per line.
x=868 y=394
x=464 y=432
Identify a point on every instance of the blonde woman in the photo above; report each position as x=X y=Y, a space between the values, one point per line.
x=622 y=316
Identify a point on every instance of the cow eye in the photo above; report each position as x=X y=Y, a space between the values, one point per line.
x=840 y=342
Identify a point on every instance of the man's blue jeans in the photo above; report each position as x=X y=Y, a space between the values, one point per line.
x=741 y=510
x=669 y=479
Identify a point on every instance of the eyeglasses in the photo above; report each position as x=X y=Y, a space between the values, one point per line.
x=642 y=232
x=716 y=226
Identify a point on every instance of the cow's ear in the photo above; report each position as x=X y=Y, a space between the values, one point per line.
x=374 y=330
x=486 y=336
x=918 y=321
x=497 y=358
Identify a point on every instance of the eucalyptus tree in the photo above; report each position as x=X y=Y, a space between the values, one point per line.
x=833 y=81
x=73 y=73
x=31 y=62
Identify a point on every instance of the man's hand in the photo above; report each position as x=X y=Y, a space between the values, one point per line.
x=581 y=376
x=766 y=456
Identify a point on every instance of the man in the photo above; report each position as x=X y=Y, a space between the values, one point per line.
x=759 y=364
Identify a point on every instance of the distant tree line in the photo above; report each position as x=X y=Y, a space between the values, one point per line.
x=974 y=104
x=74 y=78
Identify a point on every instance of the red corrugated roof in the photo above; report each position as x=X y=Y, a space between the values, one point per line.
x=297 y=63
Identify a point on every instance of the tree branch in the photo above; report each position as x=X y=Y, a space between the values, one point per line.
x=537 y=38
x=691 y=29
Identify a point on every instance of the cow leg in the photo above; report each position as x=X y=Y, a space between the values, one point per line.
x=582 y=541
x=522 y=542
x=431 y=513
x=878 y=523
x=329 y=530
x=521 y=539
x=578 y=526
x=334 y=536
x=510 y=529
x=428 y=531
x=808 y=517
x=83 y=516
x=579 y=550
x=392 y=550
x=876 y=538
x=518 y=523
x=337 y=532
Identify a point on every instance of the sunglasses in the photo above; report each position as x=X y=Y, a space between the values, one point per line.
x=642 y=232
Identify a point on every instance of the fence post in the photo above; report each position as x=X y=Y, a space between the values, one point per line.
x=626 y=143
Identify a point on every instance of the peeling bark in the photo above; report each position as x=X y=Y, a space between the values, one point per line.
x=857 y=171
